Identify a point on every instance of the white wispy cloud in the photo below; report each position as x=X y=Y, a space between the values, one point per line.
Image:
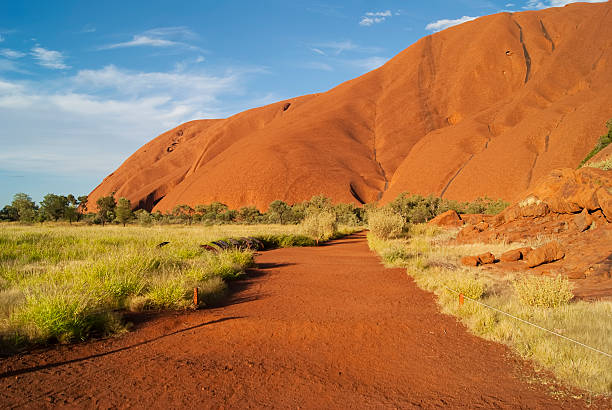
x=537 y=4
x=91 y=121
x=339 y=47
x=318 y=51
x=442 y=24
x=374 y=17
x=158 y=37
x=49 y=58
x=8 y=53
x=139 y=40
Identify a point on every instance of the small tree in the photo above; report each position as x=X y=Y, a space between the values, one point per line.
x=9 y=213
x=123 y=211
x=279 y=212
x=71 y=212
x=26 y=208
x=106 y=208
x=249 y=215
x=320 y=226
x=53 y=207
x=184 y=212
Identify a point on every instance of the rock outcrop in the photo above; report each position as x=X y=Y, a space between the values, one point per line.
x=483 y=108
x=567 y=216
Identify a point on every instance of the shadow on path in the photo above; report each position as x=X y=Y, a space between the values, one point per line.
x=94 y=356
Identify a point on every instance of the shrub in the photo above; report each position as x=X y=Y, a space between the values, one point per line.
x=603 y=142
x=606 y=164
x=144 y=218
x=543 y=291
x=396 y=255
x=385 y=224
x=469 y=285
x=320 y=226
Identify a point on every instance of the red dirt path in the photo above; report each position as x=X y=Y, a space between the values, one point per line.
x=324 y=327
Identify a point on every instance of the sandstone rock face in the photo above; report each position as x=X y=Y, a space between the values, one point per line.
x=470 y=261
x=448 y=218
x=604 y=199
x=511 y=256
x=486 y=258
x=564 y=191
x=583 y=220
x=547 y=253
x=501 y=100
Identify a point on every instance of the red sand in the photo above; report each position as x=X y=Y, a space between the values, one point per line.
x=484 y=108
x=324 y=327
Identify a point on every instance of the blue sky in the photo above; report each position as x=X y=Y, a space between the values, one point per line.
x=84 y=84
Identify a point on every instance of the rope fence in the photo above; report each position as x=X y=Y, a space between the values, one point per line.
x=462 y=296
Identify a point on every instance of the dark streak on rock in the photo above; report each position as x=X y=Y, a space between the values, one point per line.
x=547 y=36
x=456 y=175
x=355 y=194
x=525 y=52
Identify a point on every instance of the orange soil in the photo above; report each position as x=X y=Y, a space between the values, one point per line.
x=484 y=108
x=324 y=327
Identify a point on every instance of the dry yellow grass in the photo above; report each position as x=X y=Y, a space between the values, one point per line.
x=434 y=264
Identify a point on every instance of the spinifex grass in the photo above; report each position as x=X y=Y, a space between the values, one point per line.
x=64 y=282
x=434 y=264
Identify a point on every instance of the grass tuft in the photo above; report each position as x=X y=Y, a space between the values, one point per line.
x=543 y=291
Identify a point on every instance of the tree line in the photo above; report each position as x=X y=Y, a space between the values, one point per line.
x=413 y=208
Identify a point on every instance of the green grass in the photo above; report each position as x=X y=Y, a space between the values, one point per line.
x=65 y=283
x=606 y=164
x=435 y=266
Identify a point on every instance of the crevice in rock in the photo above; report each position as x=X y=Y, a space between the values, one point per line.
x=286 y=106
x=546 y=141
x=547 y=36
x=530 y=174
x=381 y=170
x=455 y=176
x=525 y=52
x=355 y=194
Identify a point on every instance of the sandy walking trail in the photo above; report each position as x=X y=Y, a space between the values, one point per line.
x=325 y=327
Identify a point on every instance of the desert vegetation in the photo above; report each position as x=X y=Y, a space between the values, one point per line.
x=603 y=142
x=67 y=273
x=434 y=264
x=63 y=280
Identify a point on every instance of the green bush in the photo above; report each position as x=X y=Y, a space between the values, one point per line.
x=320 y=226
x=603 y=142
x=543 y=291
x=466 y=284
x=384 y=223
